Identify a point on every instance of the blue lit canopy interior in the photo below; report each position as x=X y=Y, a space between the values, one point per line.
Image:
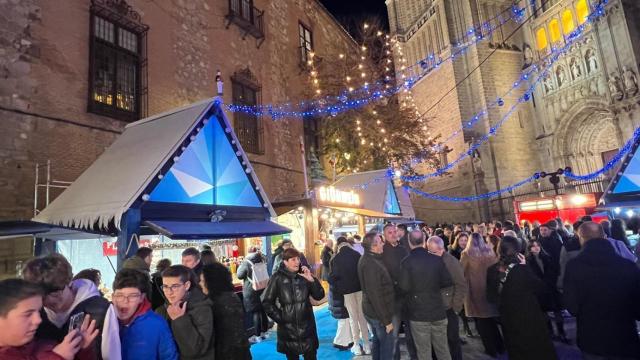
x=391 y=204
x=629 y=181
x=208 y=172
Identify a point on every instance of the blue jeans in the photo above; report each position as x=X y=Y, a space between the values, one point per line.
x=383 y=343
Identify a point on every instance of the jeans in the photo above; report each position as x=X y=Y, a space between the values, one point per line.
x=383 y=343
x=311 y=355
x=427 y=334
x=453 y=335
x=260 y=322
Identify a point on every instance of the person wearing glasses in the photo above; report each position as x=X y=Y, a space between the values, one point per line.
x=189 y=313
x=64 y=298
x=143 y=333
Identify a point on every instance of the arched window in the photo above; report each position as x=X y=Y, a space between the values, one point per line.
x=541 y=38
x=554 y=31
x=582 y=10
x=567 y=22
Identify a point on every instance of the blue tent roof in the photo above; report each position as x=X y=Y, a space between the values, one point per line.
x=624 y=189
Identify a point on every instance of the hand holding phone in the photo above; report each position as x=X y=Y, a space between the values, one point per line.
x=75 y=321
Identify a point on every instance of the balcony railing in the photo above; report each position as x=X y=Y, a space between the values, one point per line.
x=247 y=17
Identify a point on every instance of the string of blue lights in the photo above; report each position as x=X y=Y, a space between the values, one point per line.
x=635 y=138
x=555 y=55
x=332 y=105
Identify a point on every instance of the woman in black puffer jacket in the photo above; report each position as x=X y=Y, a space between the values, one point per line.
x=286 y=301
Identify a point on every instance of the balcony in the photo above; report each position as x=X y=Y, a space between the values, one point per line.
x=248 y=18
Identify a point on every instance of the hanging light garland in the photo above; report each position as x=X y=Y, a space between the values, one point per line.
x=331 y=105
x=624 y=151
x=555 y=55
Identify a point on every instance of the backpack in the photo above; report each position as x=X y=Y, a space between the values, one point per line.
x=259 y=275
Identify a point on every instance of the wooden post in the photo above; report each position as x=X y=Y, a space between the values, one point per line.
x=127 y=244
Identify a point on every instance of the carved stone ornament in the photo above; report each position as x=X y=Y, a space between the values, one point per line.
x=630 y=81
x=575 y=69
x=527 y=54
x=548 y=84
x=614 y=87
x=591 y=60
x=560 y=76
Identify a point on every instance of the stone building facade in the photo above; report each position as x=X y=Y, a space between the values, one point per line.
x=580 y=120
x=74 y=73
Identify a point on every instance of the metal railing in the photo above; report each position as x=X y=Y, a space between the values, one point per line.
x=247 y=17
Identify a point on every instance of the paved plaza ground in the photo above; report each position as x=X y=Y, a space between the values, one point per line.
x=473 y=350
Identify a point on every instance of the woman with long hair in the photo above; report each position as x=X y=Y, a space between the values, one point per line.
x=514 y=287
x=228 y=315
x=455 y=249
x=619 y=231
x=546 y=270
x=459 y=244
x=476 y=258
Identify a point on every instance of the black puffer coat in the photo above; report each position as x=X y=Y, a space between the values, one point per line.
x=286 y=301
x=336 y=305
x=250 y=297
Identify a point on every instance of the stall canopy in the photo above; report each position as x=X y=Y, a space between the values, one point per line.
x=624 y=189
x=182 y=173
x=380 y=198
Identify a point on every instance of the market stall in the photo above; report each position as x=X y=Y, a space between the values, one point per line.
x=170 y=181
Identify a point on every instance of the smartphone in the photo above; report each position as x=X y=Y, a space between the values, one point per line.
x=75 y=321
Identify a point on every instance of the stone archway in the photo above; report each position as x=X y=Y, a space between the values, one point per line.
x=583 y=134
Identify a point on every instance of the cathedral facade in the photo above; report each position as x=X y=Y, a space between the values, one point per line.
x=548 y=98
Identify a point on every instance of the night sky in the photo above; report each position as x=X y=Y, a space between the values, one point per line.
x=349 y=11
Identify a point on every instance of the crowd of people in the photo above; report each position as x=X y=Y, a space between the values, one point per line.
x=512 y=284
x=187 y=311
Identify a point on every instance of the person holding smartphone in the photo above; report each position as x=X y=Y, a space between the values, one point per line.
x=20 y=304
x=286 y=301
x=189 y=313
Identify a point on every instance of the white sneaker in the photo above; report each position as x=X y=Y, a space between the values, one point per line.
x=254 y=339
x=264 y=335
x=355 y=350
x=366 y=349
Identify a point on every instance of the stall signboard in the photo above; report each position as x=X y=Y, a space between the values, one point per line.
x=111 y=248
x=329 y=195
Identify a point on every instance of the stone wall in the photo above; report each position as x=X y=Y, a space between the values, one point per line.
x=44 y=69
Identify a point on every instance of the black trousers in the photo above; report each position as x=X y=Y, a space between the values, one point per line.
x=453 y=335
x=311 y=355
x=490 y=336
x=260 y=322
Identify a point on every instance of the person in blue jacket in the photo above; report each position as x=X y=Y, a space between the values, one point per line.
x=143 y=333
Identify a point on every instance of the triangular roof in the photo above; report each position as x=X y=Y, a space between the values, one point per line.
x=157 y=154
x=379 y=195
x=624 y=188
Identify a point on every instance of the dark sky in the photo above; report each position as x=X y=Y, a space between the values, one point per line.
x=348 y=11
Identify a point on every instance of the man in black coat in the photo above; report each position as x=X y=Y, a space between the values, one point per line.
x=325 y=257
x=344 y=280
x=602 y=290
x=392 y=256
x=286 y=301
x=551 y=241
x=377 y=297
x=422 y=277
